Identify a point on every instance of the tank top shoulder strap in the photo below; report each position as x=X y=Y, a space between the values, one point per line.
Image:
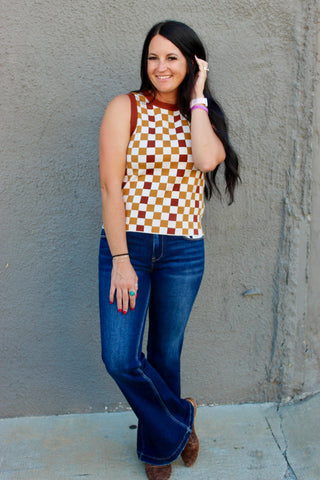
x=134 y=112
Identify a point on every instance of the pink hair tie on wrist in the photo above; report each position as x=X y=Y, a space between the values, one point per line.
x=202 y=107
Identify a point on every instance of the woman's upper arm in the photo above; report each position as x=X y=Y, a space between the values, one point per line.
x=114 y=140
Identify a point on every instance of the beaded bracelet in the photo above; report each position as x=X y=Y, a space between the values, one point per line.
x=202 y=107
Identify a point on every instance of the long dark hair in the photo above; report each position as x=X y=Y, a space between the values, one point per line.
x=190 y=45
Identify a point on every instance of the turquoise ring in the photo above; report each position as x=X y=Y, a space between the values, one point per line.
x=132 y=293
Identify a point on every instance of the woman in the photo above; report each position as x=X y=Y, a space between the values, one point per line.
x=160 y=149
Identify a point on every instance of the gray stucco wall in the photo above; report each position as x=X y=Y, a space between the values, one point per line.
x=62 y=62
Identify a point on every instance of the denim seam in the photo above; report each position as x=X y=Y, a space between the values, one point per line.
x=189 y=430
x=159 y=397
x=142 y=329
x=138 y=349
x=156 y=259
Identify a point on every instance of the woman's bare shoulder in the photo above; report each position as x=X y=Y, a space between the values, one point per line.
x=117 y=111
x=121 y=102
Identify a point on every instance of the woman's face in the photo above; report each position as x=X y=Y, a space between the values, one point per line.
x=167 y=67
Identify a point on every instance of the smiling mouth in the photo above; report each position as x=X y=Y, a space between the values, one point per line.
x=163 y=77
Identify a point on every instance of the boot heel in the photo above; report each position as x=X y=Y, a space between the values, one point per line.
x=190 y=452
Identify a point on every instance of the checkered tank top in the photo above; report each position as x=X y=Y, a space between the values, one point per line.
x=162 y=189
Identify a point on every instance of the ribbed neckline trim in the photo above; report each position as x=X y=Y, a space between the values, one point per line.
x=158 y=103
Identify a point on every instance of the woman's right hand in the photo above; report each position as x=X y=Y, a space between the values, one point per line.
x=123 y=281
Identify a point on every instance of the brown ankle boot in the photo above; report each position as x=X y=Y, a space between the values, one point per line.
x=190 y=452
x=158 y=472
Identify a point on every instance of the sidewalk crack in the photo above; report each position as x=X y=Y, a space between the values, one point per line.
x=289 y=473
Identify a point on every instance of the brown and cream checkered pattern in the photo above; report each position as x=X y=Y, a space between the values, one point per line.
x=162 y=189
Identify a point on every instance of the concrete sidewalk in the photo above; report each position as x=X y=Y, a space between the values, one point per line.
x=242 y=442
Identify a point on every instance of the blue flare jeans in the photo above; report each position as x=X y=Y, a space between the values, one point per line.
x=169 y=270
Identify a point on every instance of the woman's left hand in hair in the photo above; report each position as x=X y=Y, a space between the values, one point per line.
x=200 y=78
x=207 y=149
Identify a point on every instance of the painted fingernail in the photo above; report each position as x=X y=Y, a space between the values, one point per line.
x=120 y=310
x=131 y=308
x=111 y=302
x=124 y=312
x=136 y=295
